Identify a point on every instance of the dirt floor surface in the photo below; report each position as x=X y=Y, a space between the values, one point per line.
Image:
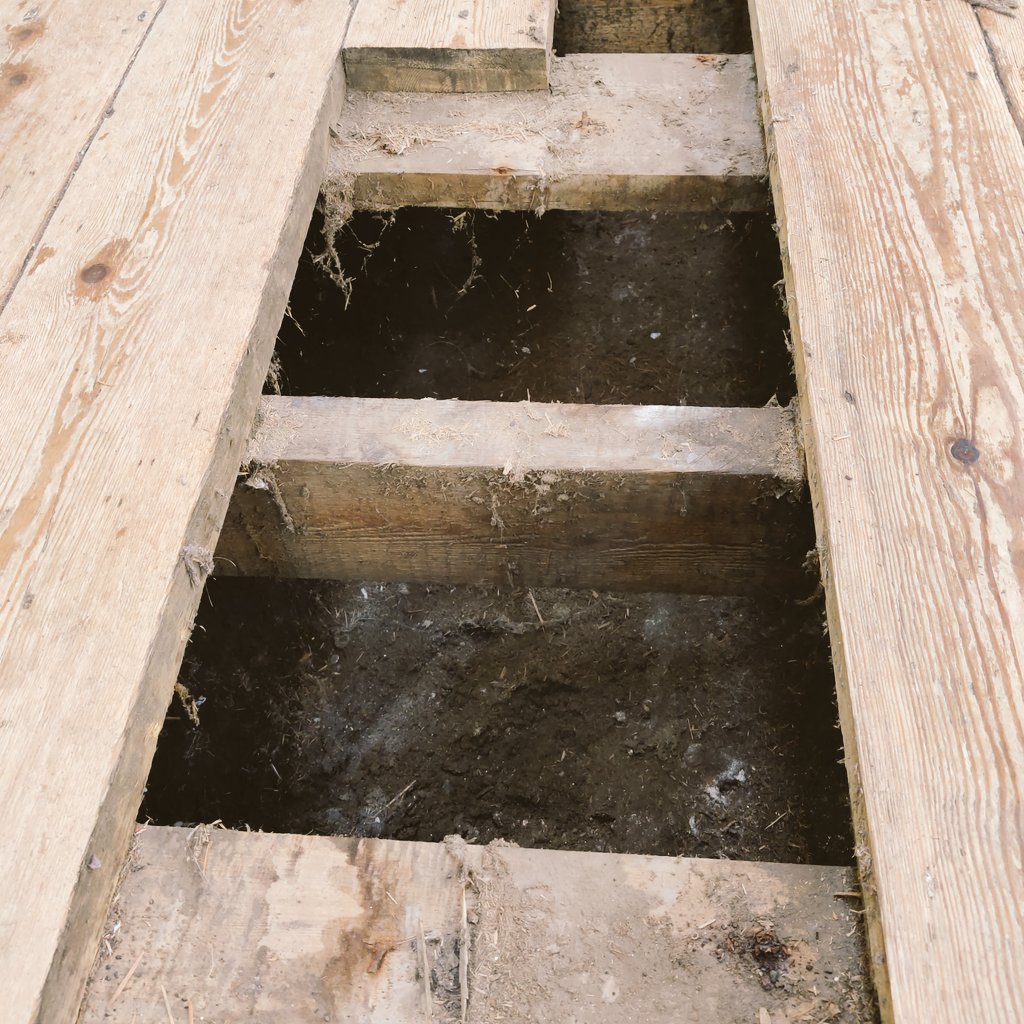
x=659 y=724
x=671 y=309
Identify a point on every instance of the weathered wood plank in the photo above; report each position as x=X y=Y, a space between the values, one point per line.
x=897 y=171
x=131 y=361
x=61 y=65
x=246 y=927
x=449 y=45
x=652 y=26
x=618 y=132
x=1005 y=37
x=621 y=497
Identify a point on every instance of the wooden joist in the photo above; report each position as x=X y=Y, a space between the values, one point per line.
x=131 y=360
x=623 y=497
x=898 y=176
x=247 y=928
x=46 y=52
x=449 y=45
x=652 y=26
x=615 y=132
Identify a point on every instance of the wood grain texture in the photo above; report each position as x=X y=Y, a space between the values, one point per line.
x=619 y=497
x=449 y=45
x=132 y=359
x=616 y=132
x=1005 y=39
x=897 y=172
x=652 y=26
x=246 y=927
x=61 y=66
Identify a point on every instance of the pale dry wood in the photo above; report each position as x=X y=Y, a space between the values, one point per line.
x=622 y=497
x=615 y=132
x=652 y=26
x=449 y=45
x=61 y=65
x=283 y=927
x=1005 y=38
x=131 y=362
x=898 y=176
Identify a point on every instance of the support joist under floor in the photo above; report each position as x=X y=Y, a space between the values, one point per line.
x=248 y=928
x=615 y=132
x=620 y=497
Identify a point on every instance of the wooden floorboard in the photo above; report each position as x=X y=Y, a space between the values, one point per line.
x=615 y=132
x=61 y=65
x=1004 y=36
x=449 y=45
x=240 y=927
x=898 y=177
x=614 y=497
x=131 y=362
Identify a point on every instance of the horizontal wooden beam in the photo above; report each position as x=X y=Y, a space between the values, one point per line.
x=449 y=45
x=244 y=927
x=653 y=26
x=623 y=497
x=45 y=93
x=615 y=132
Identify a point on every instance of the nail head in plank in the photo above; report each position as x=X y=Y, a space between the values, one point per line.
x=132 y=361
x=895 y=178
x=623 y=497
x=449 y=45
x=616 y=132
x=61 y=65
x=341 y=929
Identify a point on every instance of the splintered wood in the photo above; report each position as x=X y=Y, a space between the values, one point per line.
x=449 y=45
x=898 y=176
x=378 y=932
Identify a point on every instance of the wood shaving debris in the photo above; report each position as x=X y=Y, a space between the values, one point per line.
x=124 y=981
x=198 y=563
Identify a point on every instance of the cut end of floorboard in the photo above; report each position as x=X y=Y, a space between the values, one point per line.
x=240 y=927
x=615 y=497
x=673 y=132
x=449 y=45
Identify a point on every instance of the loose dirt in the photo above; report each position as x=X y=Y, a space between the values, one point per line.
x=569 y=307
x=660 y=724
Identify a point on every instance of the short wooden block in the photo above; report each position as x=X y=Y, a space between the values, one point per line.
x=449 y=45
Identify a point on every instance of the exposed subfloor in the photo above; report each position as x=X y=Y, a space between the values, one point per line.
x=661 y=724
